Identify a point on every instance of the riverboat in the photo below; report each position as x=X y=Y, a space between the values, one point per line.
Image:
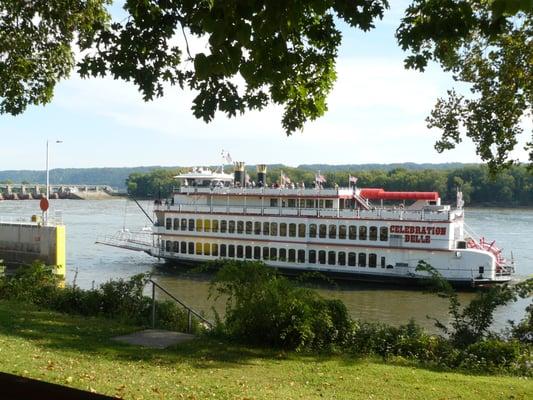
x=366 y=234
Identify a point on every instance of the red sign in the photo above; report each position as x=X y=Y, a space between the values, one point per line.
x=44 y=204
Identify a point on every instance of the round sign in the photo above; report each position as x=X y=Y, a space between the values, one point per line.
x=44 y=204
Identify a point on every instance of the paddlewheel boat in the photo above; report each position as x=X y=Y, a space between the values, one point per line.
x=366 y=234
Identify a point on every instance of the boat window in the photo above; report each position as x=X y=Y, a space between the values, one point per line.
x=167 y=245
x=373 y=235
x=333 y=231
x=176 y=224
x=322 y=231
x=191 y=224
x=292 y=230
x=240 y=226
x=168 y=223
x=273 y=253
x=351 y=259
x=183 y=224
x=362 y=260
x=283 y=254
x=342 y=232
x=190 y=250
x=292 y=203
x=302 y=203
x=342 y=258
x=231 y=250
x=309 y=204
x=162 y=245
x=257 y=253
x=320 y=203
x=266 y=228
x=207 y=249
x=328 y=203
x=214 y=249
x=362 y=232
x=383 y=233
x=223 y=226
x=248 y=252
x=176 y=247
x=223 y=250
x=332 y=258
x=249 y=227
x=301 y=230
x=352 y=232
x=312 y=256
x=231 y=227
x=273 y=202
x=283 y=229
x=198 y=249
x=301 y=256
x=257 y=228
x=322 y=257
x=273 y=229
x=292 y=255
x=214 y=225
x=372 y=260
x=312 y=230
x=265 y=253
x=199 y=225
x=183 y=247
x=207 y=225
x=240 y=251
x=383 y=262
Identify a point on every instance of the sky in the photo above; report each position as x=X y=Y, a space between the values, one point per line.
x=377 y=113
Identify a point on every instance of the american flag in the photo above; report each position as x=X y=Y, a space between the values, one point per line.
x=320 y=178
x=352 y=179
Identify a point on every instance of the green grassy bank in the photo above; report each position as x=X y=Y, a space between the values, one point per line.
x=78 y=352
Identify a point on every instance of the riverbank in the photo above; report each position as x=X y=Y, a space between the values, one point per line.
x=78 y=352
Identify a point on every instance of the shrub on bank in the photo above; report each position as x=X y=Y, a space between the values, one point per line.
x=264 y=308
x=118 y=299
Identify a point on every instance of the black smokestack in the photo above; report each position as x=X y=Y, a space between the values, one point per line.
x=238 y=174
x=261 y=175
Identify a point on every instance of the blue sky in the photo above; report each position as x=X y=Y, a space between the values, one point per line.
x=376 y=115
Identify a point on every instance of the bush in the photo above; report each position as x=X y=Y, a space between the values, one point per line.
x=118 y=299
x=264 y=308
x=493 y=355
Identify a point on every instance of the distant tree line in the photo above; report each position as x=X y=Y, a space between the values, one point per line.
x=513 y=187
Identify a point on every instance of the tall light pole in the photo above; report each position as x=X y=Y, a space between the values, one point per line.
x=48 y=174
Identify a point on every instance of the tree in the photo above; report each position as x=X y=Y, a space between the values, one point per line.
x=485 y=44
x=266 y=51
x=284 y=51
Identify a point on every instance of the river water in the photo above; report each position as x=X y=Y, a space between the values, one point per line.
x=90 y=264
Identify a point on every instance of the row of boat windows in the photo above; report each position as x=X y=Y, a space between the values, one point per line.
x=323 y=231
x=324 y=257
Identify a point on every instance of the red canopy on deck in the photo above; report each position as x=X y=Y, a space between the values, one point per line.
x=380 y=194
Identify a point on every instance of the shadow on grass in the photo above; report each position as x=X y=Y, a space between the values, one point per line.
x=90 y=336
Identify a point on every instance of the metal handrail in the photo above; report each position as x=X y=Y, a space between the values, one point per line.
x=190 y=311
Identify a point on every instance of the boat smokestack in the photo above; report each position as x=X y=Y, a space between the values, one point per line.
x=238 y=174
x=261 y=175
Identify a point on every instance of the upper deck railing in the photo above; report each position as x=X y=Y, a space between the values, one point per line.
x=444 y=214
x=265 y=191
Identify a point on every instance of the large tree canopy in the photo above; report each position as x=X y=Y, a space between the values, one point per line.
x=268 y=51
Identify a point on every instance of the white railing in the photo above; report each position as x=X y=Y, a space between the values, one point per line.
x=444 y=215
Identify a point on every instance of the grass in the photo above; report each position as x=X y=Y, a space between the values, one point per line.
x=77 y=351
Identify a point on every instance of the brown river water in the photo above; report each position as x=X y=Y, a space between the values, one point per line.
x=91 y=264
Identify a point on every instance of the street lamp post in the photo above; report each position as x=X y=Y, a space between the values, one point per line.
x=48 y=174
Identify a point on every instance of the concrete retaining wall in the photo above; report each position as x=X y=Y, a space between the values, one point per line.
x=23 y=243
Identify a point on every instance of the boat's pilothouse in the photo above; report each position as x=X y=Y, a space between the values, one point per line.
x=357 y=233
